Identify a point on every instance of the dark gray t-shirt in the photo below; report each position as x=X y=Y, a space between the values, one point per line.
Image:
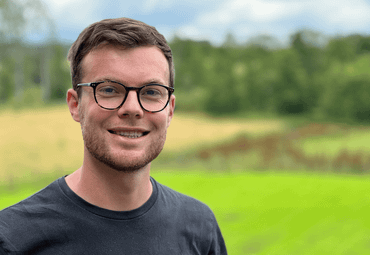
x=57 y=221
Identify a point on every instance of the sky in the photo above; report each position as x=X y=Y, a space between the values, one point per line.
x=212 y=20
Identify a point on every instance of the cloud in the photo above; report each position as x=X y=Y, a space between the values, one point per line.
x=236 y=11
x=348 y=14
x=248 y=18
x=70 y=13
x=213 y=19
x=195 y=32
x=152 y=5
x=55 y=5
x=243 y=18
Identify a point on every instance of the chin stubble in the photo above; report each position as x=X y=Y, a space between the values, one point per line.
x=99 y=149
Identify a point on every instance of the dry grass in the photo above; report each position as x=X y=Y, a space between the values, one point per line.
x=193 y=130
x=37 y=141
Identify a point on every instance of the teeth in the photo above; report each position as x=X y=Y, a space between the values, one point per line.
x=134 y=134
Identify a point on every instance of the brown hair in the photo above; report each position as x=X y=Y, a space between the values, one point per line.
x=124 y=32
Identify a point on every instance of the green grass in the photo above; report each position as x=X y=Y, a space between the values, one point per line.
x=281 y=213
x=277 y=213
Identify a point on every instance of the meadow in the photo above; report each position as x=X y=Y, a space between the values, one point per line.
x=261 y=209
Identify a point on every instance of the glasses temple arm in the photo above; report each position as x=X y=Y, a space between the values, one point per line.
x=84 y=84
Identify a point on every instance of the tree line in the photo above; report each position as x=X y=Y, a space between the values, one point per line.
x=327 y=80
x=323 y=79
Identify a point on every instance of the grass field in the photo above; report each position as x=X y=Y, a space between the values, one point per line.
x=266 y=212
x=277 y=213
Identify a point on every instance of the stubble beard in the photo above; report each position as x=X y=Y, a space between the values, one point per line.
x=99 y=149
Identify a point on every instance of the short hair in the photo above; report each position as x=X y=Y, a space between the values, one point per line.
x=125 y=32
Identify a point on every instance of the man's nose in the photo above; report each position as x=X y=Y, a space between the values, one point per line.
x=131 y=107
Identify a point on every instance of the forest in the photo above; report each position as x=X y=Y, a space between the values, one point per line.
x=320 y=79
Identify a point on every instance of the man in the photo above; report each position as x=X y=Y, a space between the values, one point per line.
x=122 y=96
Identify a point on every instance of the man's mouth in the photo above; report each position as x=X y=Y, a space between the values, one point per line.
x=129 y=134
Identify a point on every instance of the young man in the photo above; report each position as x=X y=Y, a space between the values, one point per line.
x=122 y=96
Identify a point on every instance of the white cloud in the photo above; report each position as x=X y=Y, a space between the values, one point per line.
x=73 y=13
x=194 y=32
x=337 y=12
x=247 y=18
x=350 y=15
x=57 y=4
x=234 y=11
x=244 y=18
x=152 y=5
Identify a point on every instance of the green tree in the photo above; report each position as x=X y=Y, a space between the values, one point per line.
x=291 y=86
x=341 y=49
x=346 y=91
x=60 y=77
x=18 y=17
x=328 y=81
x=7 y=67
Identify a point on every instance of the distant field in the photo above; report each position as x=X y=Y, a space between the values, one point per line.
x=355 y=140
x=191 y=130
x=48 y=140
x=34 y=141
x=277 y=213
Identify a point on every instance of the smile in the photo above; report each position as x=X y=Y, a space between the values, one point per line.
x=129 y=134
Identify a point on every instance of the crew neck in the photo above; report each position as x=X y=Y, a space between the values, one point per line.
x=118 y=215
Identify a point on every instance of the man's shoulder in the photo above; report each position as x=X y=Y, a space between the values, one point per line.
x=190 y=218
x=25 y=222
x=29 y=207
x=184 y=203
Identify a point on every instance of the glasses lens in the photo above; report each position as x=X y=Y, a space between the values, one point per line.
x=110 y=95
x=154 y=97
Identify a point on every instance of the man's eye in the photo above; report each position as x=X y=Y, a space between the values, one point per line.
x=108 y=90
x=151 y=92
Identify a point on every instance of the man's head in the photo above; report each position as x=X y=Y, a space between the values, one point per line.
x=129 y=137
x=122 y=32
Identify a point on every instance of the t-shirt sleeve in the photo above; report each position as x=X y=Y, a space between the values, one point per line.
x=218 y=246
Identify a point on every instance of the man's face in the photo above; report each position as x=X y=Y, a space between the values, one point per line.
x=129 y=138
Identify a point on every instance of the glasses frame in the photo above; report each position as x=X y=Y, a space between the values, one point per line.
x=128 y=89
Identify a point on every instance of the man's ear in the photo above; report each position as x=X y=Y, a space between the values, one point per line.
x=171 y=106
x=72 y=101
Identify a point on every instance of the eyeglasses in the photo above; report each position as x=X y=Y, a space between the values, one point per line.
x=112 y=95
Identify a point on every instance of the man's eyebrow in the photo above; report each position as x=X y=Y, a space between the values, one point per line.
x=154 y=81
x=116 y=79
x=107 y=78
x=151 y=81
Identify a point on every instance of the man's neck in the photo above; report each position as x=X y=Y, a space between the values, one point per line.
x=111 y=189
